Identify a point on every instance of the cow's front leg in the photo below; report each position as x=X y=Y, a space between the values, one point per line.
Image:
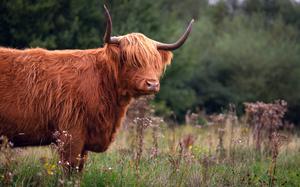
x=71 y=151
x=82 y=159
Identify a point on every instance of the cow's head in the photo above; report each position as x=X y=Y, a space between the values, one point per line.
x=141 y=60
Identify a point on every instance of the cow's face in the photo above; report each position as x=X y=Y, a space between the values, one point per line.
x=142 y=60
x=141 y=64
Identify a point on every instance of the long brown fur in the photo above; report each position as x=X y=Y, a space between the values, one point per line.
x=82 y=92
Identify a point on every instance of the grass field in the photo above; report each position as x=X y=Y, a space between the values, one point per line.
x=216 y=155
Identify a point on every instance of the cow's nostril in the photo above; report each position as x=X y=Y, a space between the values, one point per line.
x=148 y=83
x=152 y=84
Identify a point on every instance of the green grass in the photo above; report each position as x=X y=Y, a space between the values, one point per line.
x=199 y=165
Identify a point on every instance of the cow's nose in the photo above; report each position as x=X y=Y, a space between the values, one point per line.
x=152 y=85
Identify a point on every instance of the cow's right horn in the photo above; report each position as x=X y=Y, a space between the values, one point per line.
x=107 y=36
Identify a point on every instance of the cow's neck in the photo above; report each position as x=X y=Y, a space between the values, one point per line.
x=112 y=103
x=123 y=104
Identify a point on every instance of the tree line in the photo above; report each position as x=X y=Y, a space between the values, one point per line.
x=237 y=52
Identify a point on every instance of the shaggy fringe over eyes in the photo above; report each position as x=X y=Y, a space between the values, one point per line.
x=140 y=51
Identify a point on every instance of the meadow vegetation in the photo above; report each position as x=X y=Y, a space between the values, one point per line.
x=151 y=152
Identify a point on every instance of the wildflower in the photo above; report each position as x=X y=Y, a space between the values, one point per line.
x=50 y=168
x=61 y=181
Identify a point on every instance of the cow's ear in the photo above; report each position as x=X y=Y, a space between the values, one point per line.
x=166 y=56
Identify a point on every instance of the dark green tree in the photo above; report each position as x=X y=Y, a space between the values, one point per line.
x=51 y=23
x=236 y=52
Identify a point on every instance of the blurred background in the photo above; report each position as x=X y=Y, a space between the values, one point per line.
x=239 y=50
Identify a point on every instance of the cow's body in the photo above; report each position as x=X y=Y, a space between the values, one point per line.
x=77 y=98
x=45 y=91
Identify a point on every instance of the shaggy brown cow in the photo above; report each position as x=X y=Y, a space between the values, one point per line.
x=81 y=94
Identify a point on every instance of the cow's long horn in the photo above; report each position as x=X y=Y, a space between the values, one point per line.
x=178 y=43
x=107 y=36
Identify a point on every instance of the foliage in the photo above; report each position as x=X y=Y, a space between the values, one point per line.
x=236 y=59
x=50 y=23
x=237 y=52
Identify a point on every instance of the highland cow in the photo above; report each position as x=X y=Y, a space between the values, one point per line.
x=82 y=95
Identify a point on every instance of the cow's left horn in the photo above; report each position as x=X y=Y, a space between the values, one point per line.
x=178 y=43
x=107 y=36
